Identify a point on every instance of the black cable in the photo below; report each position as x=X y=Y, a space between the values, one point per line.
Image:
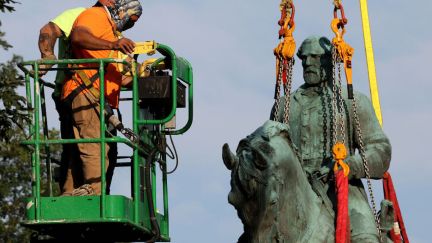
x=176 y=156
x=171 y=153
x=154 y=225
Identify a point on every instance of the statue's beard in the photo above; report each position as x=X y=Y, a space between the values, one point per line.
x=312 y=77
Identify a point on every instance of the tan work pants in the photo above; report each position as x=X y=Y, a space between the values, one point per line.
x=85 y=124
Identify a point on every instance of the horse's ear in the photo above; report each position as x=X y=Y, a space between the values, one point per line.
x=228 y=157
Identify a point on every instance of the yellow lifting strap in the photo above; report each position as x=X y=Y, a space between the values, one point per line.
x=373 y=86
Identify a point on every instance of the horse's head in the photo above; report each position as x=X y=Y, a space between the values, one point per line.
x=258 y=170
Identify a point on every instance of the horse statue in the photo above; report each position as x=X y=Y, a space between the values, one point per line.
x=272 y=195
x=271 y=192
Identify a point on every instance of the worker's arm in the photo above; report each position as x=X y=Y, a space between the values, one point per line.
x=126 y=81
x=82 y=37
x=47 y=38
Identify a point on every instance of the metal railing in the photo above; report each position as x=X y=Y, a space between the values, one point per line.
x=35 y=93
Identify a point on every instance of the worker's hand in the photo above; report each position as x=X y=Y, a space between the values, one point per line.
x=125 y=45
x=44 y=66
x=127 y=68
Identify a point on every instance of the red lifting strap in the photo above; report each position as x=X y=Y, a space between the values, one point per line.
x=390 y=194
x=342 y=218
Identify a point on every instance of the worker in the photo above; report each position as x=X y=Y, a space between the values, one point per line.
x=311 y=132
x=60 y=28
x=95 y=34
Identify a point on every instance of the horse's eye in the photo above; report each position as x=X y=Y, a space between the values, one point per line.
x=246 y=154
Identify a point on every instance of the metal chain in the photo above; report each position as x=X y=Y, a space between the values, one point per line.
x=366 y=166
x=335 y=59
x=326 y=103
x=337 y=101
x=277 y=89
x=287 y=89
x=332 y=122
x=341 y=106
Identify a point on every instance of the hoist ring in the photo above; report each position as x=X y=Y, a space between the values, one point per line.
x=343 y=18
x=335 y=25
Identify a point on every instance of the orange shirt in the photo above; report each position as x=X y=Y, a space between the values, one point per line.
x=98 y=22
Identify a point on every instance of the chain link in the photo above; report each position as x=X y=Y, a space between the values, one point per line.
x=324 y=110
x=288 y=67
x=277 y=89
x=336 y=114
x=362 y=152
x=287 y=88
x=341 y=111
x=337 y=101
x=326 y=103
x=333 y=103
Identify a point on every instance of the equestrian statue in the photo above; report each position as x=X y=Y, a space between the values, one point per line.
x=282 y=181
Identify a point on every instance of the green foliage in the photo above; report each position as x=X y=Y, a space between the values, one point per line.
x=3 y=43
x=15 y=159
x=15 y=177
x=15 y=169
x=6 y=5
x=13 y=111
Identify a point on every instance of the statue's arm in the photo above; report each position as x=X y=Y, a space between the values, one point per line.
x=377 y=145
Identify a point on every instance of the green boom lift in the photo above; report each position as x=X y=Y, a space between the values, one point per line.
x=167 y=86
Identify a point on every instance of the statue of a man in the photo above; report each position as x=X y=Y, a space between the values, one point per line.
x=311 y=130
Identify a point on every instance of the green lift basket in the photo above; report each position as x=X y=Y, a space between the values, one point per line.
x=110 y=218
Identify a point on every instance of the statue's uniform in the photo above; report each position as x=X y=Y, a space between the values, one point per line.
x=311 y=132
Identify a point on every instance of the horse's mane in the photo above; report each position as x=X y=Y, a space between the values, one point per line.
x=260 y=138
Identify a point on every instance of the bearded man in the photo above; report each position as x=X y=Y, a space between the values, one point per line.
x=311 y=131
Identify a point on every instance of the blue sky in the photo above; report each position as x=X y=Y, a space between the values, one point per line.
x=230 y=46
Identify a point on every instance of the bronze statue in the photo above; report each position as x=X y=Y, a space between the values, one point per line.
x=282 y=182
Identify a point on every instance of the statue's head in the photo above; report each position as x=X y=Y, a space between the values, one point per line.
x=315 y=53
x=260 y=165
